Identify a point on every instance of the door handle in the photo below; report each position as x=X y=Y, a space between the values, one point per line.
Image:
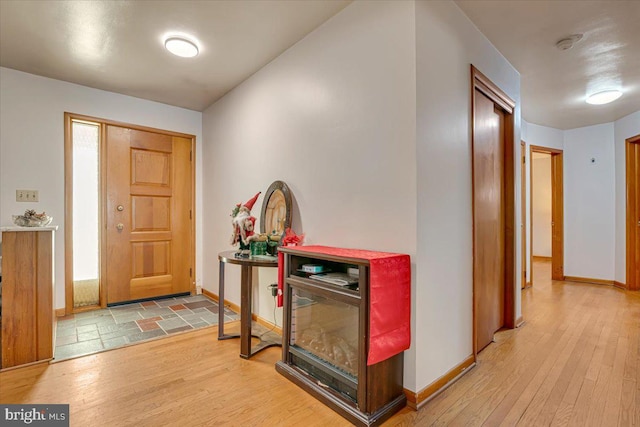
x=120 y=226
x=120 y=208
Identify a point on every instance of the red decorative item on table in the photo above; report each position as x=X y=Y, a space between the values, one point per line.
x=290 y=239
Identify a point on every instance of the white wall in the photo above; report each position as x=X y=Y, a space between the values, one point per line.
x=333 y=117
x=624 y=128
x=32 y=144
x=541 y=199
x=447 y=43
x=545 y=136
x=589 y=202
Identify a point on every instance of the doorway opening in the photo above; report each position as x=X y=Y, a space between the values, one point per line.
x=541 y=208
x=546 y=211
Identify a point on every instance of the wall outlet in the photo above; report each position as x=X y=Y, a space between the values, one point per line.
x=26 y=195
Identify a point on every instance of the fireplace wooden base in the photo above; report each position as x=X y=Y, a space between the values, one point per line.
x=338 y=403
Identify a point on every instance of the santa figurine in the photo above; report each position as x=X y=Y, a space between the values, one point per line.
x=243 y=226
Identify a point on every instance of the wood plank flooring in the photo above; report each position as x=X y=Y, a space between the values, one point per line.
x=576 y=361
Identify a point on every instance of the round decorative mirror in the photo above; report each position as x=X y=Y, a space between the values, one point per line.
x=275 y=216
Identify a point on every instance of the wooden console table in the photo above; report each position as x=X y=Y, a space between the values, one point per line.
x=246 y=264
x=27 y=290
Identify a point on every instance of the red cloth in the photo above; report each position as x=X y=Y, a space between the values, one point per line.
x=389 y=298
x=280 y=277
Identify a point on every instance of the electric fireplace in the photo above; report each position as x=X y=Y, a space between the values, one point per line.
x=326 y=334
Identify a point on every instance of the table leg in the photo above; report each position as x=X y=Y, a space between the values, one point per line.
x=221 y=301
x=245 y=312
x=221 y=334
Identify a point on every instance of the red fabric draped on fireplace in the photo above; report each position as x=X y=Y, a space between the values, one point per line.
x=280 y=278
x=389 y=298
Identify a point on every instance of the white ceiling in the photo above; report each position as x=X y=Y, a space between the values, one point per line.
x=117 y=46
x=555 y=83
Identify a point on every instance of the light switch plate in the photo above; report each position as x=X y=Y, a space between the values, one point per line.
x=26 y=195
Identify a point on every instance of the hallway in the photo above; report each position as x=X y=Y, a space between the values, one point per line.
x=576 y=361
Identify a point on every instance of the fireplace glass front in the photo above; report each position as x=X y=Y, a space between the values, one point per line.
x=324 y=340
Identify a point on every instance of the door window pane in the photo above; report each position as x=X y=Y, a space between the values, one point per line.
x=86 y=252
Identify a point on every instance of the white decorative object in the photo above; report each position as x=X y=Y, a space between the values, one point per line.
x=32 y=219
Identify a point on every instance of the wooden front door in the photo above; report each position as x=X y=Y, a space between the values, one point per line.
x=633 y=213
x=489 y=218
x=148 y=214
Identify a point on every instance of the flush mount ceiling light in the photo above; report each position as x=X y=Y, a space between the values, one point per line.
x=181 y=46
x=604 y=97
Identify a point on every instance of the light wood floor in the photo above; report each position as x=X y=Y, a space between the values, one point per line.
x=575 y=362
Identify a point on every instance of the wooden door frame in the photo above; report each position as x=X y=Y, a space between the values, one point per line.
x=523 y=213
x=631 y=193
x=483 y=84
x=557 y=210
x=68 y=196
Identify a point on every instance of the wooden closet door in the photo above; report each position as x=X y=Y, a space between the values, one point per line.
x=148 y=227
x=633 y=213
x=489 y=218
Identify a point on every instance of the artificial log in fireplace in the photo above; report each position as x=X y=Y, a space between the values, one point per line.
x=343 y=338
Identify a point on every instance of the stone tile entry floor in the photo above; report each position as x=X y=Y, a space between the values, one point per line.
x=98 y=330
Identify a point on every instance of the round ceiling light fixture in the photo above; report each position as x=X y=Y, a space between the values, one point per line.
x=181 y=46
x=604 y=97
